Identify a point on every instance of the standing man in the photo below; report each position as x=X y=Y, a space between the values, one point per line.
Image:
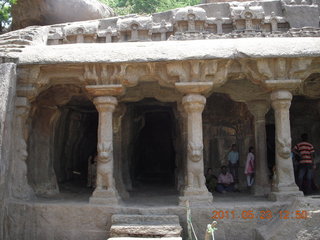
x=233 y=159
x=305 y=151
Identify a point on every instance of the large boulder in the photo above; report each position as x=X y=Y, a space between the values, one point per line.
x=44 y=12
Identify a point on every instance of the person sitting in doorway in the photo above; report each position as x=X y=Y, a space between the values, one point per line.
x=211 y=180
x=225 y=181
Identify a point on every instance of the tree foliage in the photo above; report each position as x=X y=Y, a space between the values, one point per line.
x=123 y=7
x=5 y=13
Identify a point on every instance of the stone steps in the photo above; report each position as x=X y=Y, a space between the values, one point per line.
x=145 y=226
x=134 y=238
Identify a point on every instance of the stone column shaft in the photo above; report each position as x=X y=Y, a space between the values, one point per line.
x=105 y=192
x=259 y=109
x=195 y=188
x=20 y=187
x=285 y=183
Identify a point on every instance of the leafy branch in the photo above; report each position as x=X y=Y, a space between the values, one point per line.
x=123 y=7
x=5 y=13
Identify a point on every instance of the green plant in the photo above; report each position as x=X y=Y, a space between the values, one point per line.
x=5 y=13
x=123 y=7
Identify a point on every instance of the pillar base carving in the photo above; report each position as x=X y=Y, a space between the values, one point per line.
x=105 y=197
x=195 y=197
x=261 y=190
x=285 y=195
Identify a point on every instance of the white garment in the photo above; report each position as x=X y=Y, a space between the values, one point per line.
x=250 y=180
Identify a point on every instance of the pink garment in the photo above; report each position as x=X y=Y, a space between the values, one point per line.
x=249 y=164
x=225 y=179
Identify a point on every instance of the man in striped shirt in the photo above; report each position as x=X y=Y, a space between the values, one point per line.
x=305 y=151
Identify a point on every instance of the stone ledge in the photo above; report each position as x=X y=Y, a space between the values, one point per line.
x=141 y=52
x=136 y=238
x=145 y=219
x=145 y=230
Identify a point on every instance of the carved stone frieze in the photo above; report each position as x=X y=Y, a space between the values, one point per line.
x=273 y=20
x=247 y=18
x=261 y=70
x=135 y=28
x=163 y=29
x=250 y=19
x=267 y=74
x=81 y=33
x=199 y=71
x=190 y=19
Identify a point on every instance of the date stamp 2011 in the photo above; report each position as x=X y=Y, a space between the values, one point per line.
x=259 y=214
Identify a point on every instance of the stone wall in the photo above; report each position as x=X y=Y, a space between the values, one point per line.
x=43 y=149
x=7 y=93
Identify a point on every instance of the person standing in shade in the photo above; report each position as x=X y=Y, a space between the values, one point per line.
x=305 y=151
x=249 y=169
x=233 y=159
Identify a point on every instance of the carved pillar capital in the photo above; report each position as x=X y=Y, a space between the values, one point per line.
x=281 y=100
x=193 y=103
x=105 y=104
x=258 y=108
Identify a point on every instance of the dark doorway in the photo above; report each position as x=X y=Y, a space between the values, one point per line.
x=153 y=160
x=271 y=146
x=75 y=143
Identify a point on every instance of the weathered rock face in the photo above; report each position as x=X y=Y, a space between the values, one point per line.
x=7 y=92
x=145 y=226
x=87 y=86
x=40 y=12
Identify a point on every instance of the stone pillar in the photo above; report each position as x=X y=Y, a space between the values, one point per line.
x=195 y=189
x=105 y=192
x=182 y=121
x=105 y=102
x=285 y=185
x=259 y=109
x=20 y=186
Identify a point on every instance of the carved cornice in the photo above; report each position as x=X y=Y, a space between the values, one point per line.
x=258 y=109
x=213 y=71
x=105 y=103
x=281 y=100
x=284 y=84
x=193 y=103
x=105 y=90
x=194 y=87
x=190 y=76
x=260 y=71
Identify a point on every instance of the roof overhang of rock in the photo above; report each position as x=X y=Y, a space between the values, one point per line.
x=172 y=51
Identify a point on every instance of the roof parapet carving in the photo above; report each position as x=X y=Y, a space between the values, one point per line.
x=206 y=21
x=16 y=41
x=184 y=14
